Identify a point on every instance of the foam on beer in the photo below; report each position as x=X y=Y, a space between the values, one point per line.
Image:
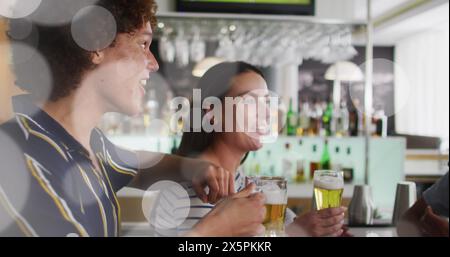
x=329 y=183
x=275 y=196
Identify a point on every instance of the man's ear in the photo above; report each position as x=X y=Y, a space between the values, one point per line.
x=97 y=57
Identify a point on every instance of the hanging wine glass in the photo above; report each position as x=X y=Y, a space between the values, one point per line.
x=198 y=47
x=166 y=47
x=182 y=49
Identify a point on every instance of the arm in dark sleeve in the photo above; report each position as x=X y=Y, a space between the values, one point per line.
x=31 y=203
x=437 y=196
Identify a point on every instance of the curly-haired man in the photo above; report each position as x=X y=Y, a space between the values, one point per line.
x=60 y=174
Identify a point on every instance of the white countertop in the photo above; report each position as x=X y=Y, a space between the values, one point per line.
x=374 y=232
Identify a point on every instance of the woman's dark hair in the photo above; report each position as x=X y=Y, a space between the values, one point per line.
x=216 y=82
x=51 y=37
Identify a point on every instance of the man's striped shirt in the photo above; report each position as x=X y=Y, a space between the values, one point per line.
x=48 y=184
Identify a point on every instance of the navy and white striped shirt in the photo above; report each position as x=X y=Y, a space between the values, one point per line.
x=48 y=184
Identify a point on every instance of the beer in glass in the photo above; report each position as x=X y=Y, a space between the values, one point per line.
x=275 y=191
x=328 y=189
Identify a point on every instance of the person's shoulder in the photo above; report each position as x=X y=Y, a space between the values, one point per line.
x=13 y=145
x=22 y=136
x=11 y=132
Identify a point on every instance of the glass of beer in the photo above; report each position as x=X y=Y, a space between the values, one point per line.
x=275 y=191
x=328 y=189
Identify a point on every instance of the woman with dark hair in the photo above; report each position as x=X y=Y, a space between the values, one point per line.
x=229 y=149
x=60 y=174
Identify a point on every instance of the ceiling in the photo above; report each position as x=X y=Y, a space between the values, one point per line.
x=379 y=7
x=433 y=15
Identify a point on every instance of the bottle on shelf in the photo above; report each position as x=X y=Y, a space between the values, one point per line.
x=357 y=119
x=341 y=121
x=315 y=120
x=313 y=165
x=325 y=163
x=379 y=123
x=303 y=120
x=348 y=167
x=300 y=174
x=353 y=122
x=291 y=122
x=326 y=120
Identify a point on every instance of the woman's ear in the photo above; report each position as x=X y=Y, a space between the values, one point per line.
x=97 y=57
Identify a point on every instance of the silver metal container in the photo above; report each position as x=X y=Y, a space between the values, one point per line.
x=405 y=197
x=361 y=208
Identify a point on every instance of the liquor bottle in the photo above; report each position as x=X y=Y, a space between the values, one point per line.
x=304 y=120
x=291 y=123
x=341 y=121
x=326 y=120
x=325 y=159
x=289 y=164
x=379 y=123
x=300 y=176
x=353 y=122
x=348 y=167
x=315 y=120
x=313 y=165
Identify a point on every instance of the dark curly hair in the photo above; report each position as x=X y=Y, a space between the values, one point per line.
x=52 y=38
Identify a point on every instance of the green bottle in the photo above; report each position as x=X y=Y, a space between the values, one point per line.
x=325 y=159
x=291 y=122
x=326 y=119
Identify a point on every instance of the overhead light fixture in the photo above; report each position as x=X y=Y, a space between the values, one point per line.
x=342 y=71
x=203 y=66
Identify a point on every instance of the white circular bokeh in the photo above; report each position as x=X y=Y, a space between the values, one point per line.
x=20 y=29
x=93 y=28
x=14 y=183
x=21 y=52
x=386 y=73
x=34 y=71
x=166 y=205
x=59 y=12
x=15 y=9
